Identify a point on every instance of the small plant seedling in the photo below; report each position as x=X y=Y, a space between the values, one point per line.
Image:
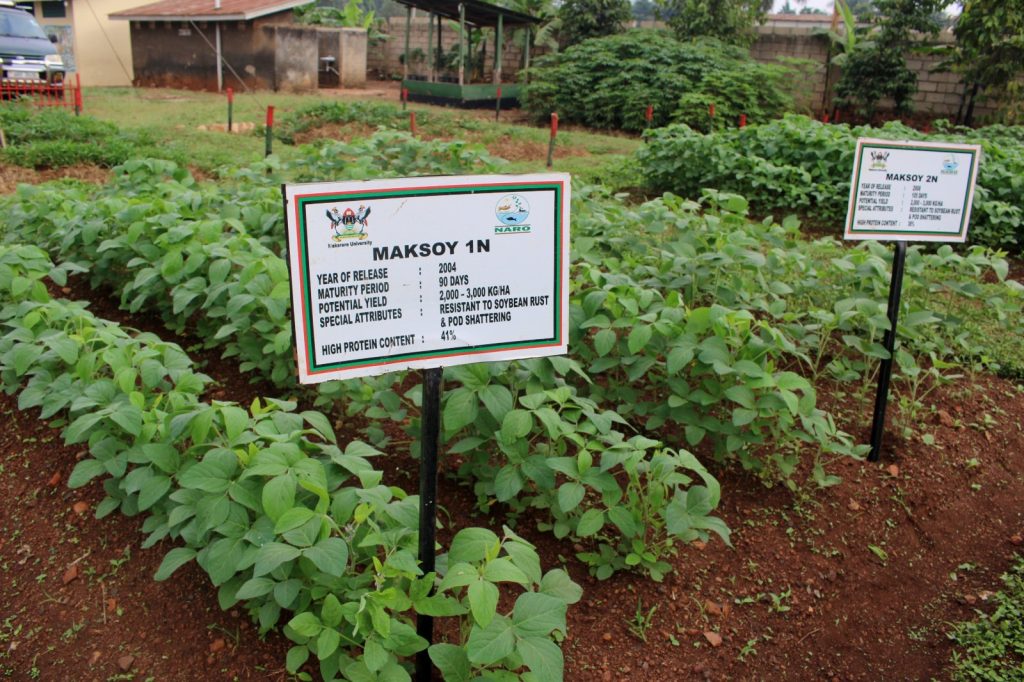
x=882 y=555
x=642 y=621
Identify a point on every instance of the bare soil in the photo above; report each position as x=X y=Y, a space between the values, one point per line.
x=854 y=582
x=12 y=176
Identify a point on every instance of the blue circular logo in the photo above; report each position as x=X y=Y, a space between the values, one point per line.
x=512 y=209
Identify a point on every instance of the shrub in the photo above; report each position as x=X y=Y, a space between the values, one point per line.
x=797 y=164
x=609 y=82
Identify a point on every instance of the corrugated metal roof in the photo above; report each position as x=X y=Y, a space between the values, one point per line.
x=205 y=10
x=478 y=13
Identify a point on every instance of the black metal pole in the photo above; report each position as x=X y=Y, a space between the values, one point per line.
x=431 y=429
x=889 y=341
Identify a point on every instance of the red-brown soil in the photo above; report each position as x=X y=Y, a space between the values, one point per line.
x=802 y=595
x=12 y=176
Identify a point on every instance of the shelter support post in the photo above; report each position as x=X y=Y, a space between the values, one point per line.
x=526 y=49
x=430 y=47
x=462 y=44
x=408 y=26
x=497 y=49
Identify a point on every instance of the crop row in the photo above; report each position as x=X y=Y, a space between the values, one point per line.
x=704 y=321
x=798 y=164
x=266 y=501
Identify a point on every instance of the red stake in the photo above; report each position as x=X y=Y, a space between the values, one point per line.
x=743 y=120
x=649 y=114
x=711 y=110
x=78 y=94
x=412 y=122
x=838 y=111
x=270 y=116
x=551 y=142
x=824 y=117
x=231 y=95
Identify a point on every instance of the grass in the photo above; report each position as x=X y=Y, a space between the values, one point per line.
x=991 y=648
x=172 y=118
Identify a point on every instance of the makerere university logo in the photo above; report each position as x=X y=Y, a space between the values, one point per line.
x=349 y=224
x=512 y=210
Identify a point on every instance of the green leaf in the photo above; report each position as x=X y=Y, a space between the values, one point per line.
x=516 y=425
x=255 y=587
x=543 y=657
x=557 y=583
x=293 y=518
x=590 y=523
x=452 y=661
x=272 y=555
x=742 y=395
x=491 y=644
x=279 y=495
x=497 y=399
x=306 y=624
x=570 y=495
x=537 y=615
x=85 y=471
x=331 y=613
x=604 y=341
x=374 y=655
x=153 y=490
x=483 y=601
x=296 y=658
x=235 y=421
x=460 y=410
x=639 y=338
x=503 y=570
x=173 y=560
x=471 y=545
x=330 y=555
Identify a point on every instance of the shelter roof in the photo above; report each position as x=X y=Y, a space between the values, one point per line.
x=478 y=13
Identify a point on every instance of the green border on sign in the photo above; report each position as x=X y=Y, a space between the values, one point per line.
x=303 y=201
x=905 y=230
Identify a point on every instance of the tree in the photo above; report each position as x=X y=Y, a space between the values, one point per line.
x=876 y=67
x=989 y=54
x=644 y=10
x=731 y=21
x=582 y=19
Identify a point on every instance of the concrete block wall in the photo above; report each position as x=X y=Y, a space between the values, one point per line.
x=938 y=93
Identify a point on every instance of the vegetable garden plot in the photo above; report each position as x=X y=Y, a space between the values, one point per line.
x=703 y=328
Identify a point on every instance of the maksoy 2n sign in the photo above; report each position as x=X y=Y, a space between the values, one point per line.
x=917 y=191
x=427 y=272
x=908 y=191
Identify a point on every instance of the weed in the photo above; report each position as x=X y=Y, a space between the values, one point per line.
x=642 y=621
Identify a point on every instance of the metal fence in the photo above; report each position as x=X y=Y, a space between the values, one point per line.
x=67 y=95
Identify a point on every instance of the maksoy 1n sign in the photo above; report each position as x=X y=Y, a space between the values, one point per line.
x=917 y=191
x=908 y=191
x=427 y=272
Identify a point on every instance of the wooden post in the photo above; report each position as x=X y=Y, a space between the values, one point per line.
x=462 y=44
x=408 y=26
x=430 y=47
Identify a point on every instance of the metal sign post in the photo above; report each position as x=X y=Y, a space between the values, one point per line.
x=428 y=502
x=902 y=191
x=889 y=341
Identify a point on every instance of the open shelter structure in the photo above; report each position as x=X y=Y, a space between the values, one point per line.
x=433 y=85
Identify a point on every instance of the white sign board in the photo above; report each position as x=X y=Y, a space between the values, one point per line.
x=912 y=191
x=427 y=272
